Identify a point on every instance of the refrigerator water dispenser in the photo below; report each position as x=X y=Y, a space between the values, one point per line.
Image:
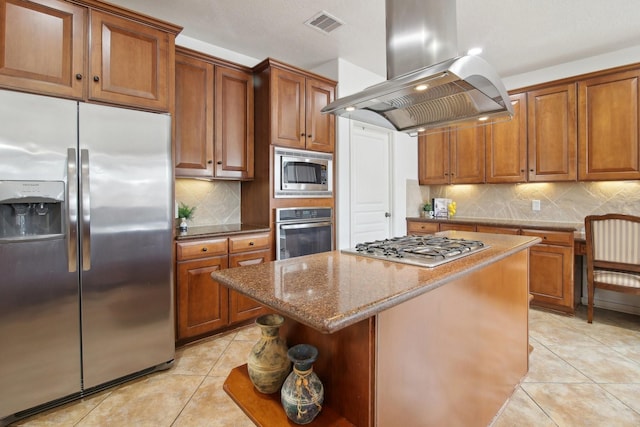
x=31 y=209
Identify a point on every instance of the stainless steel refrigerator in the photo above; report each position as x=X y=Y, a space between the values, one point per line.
x=86 y=220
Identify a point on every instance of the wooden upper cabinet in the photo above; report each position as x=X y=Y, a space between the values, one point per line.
x=433 y=158
x=42 y=47
x=552 y=134
x=467 y=155
x=451 y=156
x=194 y=117
x=99 y=52
x=296 y=120
x=233 y=123
x=506 y=155
x=320 y=127
x=213 y=118
x=129 y=63
x=609 y=114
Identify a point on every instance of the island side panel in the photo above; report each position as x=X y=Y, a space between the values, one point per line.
x=454 y=355
x=345 y=365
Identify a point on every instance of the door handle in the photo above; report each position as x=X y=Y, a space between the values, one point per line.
x=387 y=214
x=72 y=210
x=85 y=229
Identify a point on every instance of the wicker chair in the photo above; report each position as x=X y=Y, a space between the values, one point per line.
x=613 y=255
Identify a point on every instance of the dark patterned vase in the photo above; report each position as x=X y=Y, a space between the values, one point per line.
x=268 y=364
x=302 y=393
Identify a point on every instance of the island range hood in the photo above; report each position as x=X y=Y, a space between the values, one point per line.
x=428 y=85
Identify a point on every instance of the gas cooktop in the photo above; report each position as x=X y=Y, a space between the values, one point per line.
x=423 y=251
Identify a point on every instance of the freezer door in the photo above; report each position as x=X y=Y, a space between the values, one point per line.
x=39 y=309
x=126 y=222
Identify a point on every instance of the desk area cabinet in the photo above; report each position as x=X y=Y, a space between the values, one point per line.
x=555 y=277
x=203 y=306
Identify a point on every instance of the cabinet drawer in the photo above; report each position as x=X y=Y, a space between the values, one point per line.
x=497 y=230
x=548 y=237
x=201 y=249
x=415 y=227
x=457 y=227
x=251 y=242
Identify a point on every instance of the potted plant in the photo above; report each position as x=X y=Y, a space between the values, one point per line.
x=185 y=212
x=427 y=210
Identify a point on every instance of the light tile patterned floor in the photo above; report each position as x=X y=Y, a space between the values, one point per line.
x=580 y=375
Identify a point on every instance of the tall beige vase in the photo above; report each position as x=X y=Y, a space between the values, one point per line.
x=268 y=363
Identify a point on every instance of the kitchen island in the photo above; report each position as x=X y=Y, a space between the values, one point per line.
x=399 y=344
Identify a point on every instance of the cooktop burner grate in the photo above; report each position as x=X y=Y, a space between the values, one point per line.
x=426 y=251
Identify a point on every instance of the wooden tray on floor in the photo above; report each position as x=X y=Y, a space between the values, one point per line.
x=265 y=410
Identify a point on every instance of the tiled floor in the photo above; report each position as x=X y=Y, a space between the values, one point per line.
x=580 y=375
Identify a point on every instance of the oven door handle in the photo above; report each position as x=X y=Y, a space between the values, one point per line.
x=305 y=225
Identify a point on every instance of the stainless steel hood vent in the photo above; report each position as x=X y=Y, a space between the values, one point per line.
x=426 y=89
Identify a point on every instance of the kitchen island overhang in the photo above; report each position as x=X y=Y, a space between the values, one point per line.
x=402 y=343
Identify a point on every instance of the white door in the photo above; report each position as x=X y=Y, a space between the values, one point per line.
x=370 y=207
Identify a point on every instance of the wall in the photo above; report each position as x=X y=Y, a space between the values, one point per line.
x=560 y=202
x=216 y=202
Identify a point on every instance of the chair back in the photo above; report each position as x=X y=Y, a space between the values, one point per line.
x=613 y=241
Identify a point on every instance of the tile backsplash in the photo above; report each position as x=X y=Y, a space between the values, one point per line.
x=216 y=202
x=559 y=202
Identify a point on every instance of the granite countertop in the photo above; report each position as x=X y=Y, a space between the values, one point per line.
x=331 y=290
x=523 y=223
x=200 y=232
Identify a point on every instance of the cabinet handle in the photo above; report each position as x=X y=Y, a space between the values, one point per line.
x=309 y=136
x=78 y=76
x=96 y=78
x=204 y=249
x=251 y=243
x=219 y=162
x=530 y=170
x=209 y=161
x=521 y=170
x=302 y=134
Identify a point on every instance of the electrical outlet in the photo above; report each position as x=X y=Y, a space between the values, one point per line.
x=535 y=205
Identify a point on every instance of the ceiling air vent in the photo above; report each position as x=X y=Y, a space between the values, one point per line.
x=324 y=22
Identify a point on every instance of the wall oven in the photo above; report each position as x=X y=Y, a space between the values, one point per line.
x=303 y=231
x=302 y=173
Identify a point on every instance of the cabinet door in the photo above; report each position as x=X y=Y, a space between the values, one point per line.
x=129 y=63
x=609 y=115
x=234 y=124
x=43 y=46
x=320 y=128
x=506 y=156
x=551 y=276
x=467 y=151
x=433 y=158
x=242 y=307
x=288 y=106
x=202 y=302
x=194 y=117
x=552 y=134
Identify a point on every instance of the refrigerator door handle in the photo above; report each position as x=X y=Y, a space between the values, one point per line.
x=85 y=199
x=72 y=209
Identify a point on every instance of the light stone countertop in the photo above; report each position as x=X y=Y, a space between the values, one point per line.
x=331 y=290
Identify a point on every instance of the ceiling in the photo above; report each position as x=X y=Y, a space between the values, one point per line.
x=517 y=36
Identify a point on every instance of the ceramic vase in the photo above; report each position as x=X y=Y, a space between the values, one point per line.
x=302 y=393
x=268 y=364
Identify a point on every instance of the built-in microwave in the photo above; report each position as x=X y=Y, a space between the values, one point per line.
x=302 y=173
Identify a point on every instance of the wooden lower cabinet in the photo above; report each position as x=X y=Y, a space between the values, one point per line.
x=202 y=302
x=240 y=307
x=551 y=277
x=203 y=306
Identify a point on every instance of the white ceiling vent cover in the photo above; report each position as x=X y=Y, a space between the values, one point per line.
x=324 y=22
